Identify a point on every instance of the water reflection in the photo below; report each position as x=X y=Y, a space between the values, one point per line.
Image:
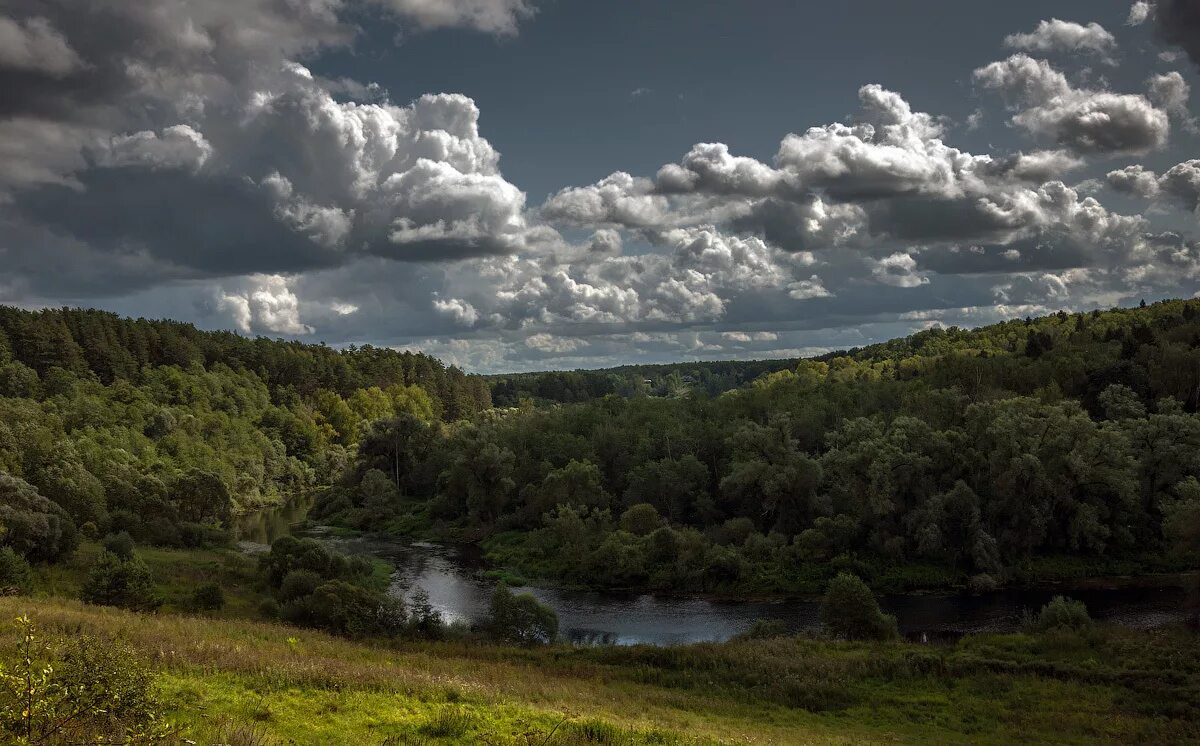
x=255 y=531
x=451 y=579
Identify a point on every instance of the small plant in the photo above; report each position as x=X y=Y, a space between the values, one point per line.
x=448 y=722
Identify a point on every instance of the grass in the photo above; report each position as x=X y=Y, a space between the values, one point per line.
x=271 y=684
x=176 y=572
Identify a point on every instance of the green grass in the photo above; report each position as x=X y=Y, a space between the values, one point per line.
x=176 y=573
x=241 y=681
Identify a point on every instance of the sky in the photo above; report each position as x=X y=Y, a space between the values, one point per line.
x=541 y=184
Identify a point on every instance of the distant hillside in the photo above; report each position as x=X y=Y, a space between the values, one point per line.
x=1027 y=338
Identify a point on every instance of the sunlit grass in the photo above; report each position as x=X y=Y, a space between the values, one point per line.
x=290 y=685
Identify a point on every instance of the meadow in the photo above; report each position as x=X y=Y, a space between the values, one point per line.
x=229 y=680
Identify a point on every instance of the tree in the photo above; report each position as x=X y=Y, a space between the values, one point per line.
x=850 y=611
x=35 y=527
x=202 y=497
x=520 y=619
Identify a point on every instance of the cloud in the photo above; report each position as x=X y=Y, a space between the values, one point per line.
x=1180 y=183
x=1170 y=91
x=806 y=289
x=898 y=270
x=1086 y=121
x=265 y=305
x=463 y=313
x=1134 y=179
x=1055 y=36
x=178 y=146
x=1138 y=13
x=202 y=109
x=499 y=17
x=34 y=45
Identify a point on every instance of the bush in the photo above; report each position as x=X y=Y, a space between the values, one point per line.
x=297 y=584
x=1062 y=613
x=208 y=597
x=269 y=609
x=16 y=577
x=127 y=583
x=84 y=691
x=850 y=611
x=982 y=583
x=120 y=544
x=347 y=609
x=521 y=619
x=765 y=629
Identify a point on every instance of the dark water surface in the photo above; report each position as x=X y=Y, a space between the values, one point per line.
x=451 y=576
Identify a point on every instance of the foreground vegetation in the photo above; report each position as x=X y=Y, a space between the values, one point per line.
x=245 y=682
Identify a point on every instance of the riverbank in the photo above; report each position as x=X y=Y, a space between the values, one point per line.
x=754 y=570
x=284 y=685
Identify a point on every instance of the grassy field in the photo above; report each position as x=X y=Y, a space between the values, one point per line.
x=244 y=682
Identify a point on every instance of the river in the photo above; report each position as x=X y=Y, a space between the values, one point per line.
x=451 y=577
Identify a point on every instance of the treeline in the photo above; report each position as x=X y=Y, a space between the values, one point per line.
x=165 y=431
x=949 y=457
x=674 y=379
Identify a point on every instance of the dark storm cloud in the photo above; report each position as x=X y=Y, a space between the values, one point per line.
x=1178 y=23
x=230 y=225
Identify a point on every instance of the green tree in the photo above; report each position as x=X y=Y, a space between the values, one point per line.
x=520 y=618
x=35 y=527
x=850 y=611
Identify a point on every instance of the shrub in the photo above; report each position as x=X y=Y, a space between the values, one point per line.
x=982 y=583
x=850 y=611
x=85 y=691
x=16 y=577
x=120 y=544
x=764 y=629
x=1062 y=613
x=521 y=619
x=297 y=584
x=346 y=609
x=208 y=597
x=127 y=583
x=269 y=609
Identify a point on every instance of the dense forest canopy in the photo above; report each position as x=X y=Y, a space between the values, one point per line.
x=164 y=430
x=946 y=456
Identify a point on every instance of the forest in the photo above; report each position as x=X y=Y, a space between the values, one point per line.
x=164 y=431
x=1035 y=449
x=1066 y=446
